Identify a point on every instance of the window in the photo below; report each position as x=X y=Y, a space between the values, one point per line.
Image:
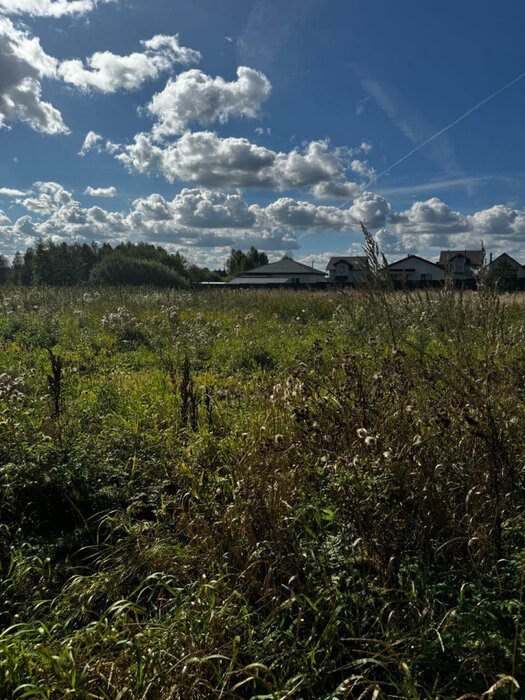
x=459 y=264
x=425 y=277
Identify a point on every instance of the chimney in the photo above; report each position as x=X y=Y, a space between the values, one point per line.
x=490 y=258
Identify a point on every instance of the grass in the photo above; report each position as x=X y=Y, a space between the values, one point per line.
x=261 y=494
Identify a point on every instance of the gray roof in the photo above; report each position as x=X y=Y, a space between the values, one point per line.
x=277 y=279
x=284 y=267
x=474 y=257
x=417 y=257
x=509 y=257
x=357 y=261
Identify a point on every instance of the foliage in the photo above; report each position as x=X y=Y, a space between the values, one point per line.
x=239 y=262
x=119 y=268
x=261 y=494
x=503 y=275
x=66 y=265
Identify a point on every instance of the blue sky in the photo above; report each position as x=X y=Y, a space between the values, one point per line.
x=200 y=125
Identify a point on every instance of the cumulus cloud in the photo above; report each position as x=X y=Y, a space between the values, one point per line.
x=109 y=72
x=392 y=244
x=23 y=64
x=500 y=219
x=196 y=217
x=362 y=168
x=305 y=215
x=431 y=216
x=49 y=8
x=101 y=191
x=337 y=190
x=206 y=159
x=47 y=198
x=372 y=209
x=204 y=218
x=92 y=142
x=194 y=97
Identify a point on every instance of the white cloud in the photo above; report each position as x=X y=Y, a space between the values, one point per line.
x=101 y=191
x=500 y=219
x=337 y=190
x=49 y=8
x=195 y=208
x=207 y=159
x=431 y=216
x=372 y=209
x=23 y=64
x=196 y=98
x=391 y=244
x=109 y=72
x=10 y=192
x=362 y=168
x=93 y=141
x=48 y=197
x=305 y=215
x=200 y=218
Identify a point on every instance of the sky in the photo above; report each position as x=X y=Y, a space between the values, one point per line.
x=200 y=125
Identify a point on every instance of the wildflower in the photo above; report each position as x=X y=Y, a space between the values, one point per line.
x=387 y=454
x=362 y=433
x=370 y=440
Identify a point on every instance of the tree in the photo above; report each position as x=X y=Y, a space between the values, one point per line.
x=27 y=275
x=238 y=262
x=503 y=275
x=17 y=268
x=57 y=265
x=5 y=270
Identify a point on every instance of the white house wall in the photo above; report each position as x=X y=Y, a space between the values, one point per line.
x=417 y=268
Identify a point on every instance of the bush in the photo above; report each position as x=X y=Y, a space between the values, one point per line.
x=118 y=268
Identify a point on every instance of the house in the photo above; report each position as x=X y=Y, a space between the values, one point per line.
x=347 y=269
x=285 y=272
x=462 y=264
x=414 y=271
x=509 y=273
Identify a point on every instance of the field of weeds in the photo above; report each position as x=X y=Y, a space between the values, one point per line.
x=220 y=494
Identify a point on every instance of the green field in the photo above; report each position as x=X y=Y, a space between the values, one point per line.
x=276 y=494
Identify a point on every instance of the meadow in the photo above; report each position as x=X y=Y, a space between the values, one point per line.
x=261 y=494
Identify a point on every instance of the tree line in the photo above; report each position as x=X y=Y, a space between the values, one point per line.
x=67 y=264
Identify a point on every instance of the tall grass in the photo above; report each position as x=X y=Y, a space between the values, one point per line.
x=261 y=494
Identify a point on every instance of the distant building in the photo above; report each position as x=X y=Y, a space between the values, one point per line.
x=347 y=269
x=414 y=271
x=462 y=264
x=509 y=270
x=284 y=273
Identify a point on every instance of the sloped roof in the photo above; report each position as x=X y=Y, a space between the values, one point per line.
x=283 y=267
x=474 y=257
x=358 y=261
x=506 y=255
x=256 y=279
x=417 y=257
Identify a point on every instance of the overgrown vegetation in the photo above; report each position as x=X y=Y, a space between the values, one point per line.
x=69 y=264
x=261 y=494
